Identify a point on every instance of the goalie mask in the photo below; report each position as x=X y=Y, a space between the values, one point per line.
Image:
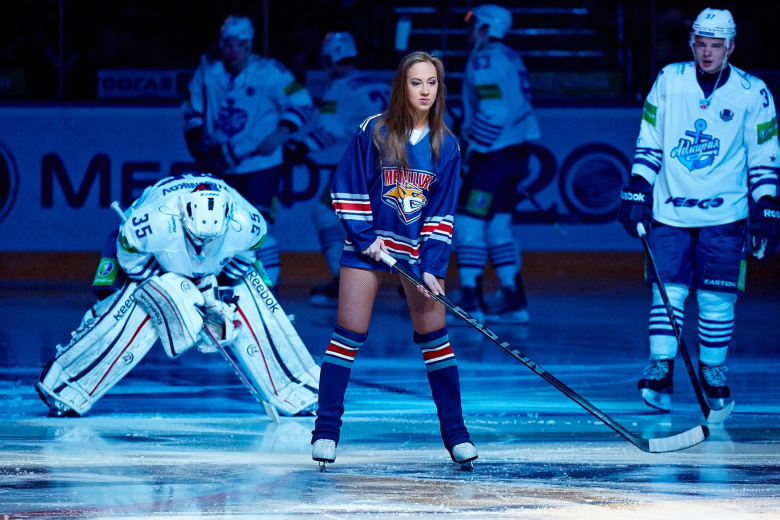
x=205 y=213
x=337 y=46
x=495 y=18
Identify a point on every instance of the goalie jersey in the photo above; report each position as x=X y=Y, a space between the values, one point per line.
x=704 y=157
x=496 y=100
x=410 y=209
x=153 y=238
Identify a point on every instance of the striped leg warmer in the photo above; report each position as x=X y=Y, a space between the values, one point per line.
x=442 y=369
x=334 y=378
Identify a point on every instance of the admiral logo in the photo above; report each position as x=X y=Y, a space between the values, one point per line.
x=726 y=115
x=699 y=151
x=9 y=181
x=683 y=202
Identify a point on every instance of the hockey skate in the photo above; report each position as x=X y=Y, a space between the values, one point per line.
x=324 y=452
x=713 y=383
x=657 y=387
x=510 y=309
x=464 y=454
x=326 y=295
x=471 y=302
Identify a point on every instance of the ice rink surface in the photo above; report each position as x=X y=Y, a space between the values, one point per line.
x=184 y=439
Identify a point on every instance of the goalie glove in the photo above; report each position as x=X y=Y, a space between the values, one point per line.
x=219 y=313
x=636 y=205
x=764 y=226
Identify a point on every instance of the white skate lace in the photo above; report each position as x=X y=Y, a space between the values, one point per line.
x=657 y=369
x=714 y=375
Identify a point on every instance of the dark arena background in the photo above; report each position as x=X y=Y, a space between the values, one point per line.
x=90 y=97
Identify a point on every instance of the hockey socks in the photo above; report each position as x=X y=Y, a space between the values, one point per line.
x=334 y=378
x=442 y=369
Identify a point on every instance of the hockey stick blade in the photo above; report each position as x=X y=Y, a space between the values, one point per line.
x=710 y=414
x=676 y=442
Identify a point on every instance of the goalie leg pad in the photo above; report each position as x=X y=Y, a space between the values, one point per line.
x=114 y=336
x=171 y=300
x=270 y=352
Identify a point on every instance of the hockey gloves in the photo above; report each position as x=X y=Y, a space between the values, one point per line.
x=764 y=226
x=636 y=205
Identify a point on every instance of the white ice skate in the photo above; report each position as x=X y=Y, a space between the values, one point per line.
x=464 y=454
x=324 y=452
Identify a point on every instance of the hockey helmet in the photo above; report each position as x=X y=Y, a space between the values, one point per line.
x=714 y=23
x=237 y=27
x=497 y=19
x=337 y=46
x=205 y=213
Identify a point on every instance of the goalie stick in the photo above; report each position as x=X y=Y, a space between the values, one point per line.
x=270 y=410
x=711 y=415
x=676 y=442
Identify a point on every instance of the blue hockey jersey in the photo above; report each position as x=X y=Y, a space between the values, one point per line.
x=410 y=209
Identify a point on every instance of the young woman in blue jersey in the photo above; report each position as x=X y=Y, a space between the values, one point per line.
x=394 y=191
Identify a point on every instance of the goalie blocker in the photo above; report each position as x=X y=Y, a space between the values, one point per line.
x=117 y=332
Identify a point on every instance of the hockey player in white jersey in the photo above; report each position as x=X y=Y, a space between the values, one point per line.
x=241 y=108
x=187 y=250
x=706 y=160
x=499 y=122
x=349 y=97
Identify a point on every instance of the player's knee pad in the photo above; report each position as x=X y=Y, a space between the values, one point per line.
x=716 y=324
x=499 y=230
x=113 y=337
x=268 y=351
x=469 y=231
x=171 y=301
x=716 y=305
x=663 y=343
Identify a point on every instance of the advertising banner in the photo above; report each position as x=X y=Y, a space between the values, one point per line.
x=61 y=168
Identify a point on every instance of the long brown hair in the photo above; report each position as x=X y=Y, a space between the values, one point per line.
x=398 y=116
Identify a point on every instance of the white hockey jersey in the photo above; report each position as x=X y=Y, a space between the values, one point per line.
x=346 y=103
x=704 y=159
x=240 y=111
x=496 y=100
x=153 y=238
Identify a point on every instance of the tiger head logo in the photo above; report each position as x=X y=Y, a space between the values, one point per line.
x=407 y=199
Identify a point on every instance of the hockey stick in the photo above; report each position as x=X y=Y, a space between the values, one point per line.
x=554 y=221
x=270 y=410
x=676 y=442
x=712 y=416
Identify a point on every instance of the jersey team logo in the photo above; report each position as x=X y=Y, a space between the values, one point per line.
x=231 y=119
x=405 y=192
x=697 y=150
